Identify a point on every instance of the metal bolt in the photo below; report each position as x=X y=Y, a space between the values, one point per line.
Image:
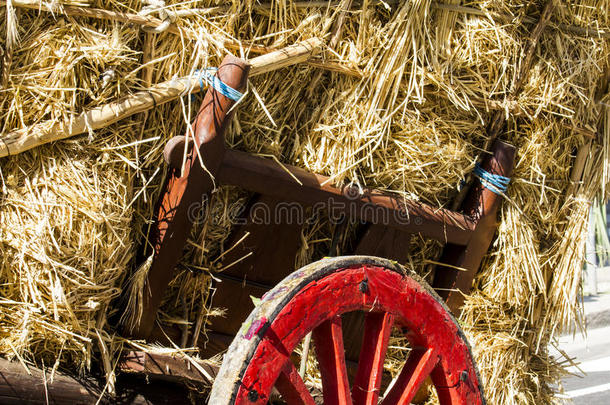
x=253 y=396
x=364 y=286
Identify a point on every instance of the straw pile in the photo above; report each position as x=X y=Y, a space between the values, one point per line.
x=403 y=98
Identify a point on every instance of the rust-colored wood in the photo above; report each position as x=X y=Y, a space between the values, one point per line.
x=267 y=254
x=269 y=239
x=388 y=243
x=185 y=191
x=169 y=367
x=481 y=205
x=290 y=183
x=235 y=297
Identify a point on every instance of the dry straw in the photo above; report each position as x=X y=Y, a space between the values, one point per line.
x=400 y=99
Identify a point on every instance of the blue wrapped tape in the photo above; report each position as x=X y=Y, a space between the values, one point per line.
x=493 y=182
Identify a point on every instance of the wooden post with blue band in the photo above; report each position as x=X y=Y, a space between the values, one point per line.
x=481 y=204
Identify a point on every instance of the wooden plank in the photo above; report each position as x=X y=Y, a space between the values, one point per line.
x=290 y=183
x=265 y=255
x=270 y=239
x=235 y=297
x=385 y=242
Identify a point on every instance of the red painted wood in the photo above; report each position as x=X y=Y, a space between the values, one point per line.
x=377 y=329
x=429 y=325
x=328 y=340
x=292 y=388
x=184 y=190
x=417 y=368
x=453 y=282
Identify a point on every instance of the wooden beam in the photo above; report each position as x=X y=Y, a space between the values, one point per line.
x=290 y=183
x=39 y=134
x=35 y=387
x=454 y=279
x=185 y=189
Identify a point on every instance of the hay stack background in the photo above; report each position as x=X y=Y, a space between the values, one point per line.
x=420 y=84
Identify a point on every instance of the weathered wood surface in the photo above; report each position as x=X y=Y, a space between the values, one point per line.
x=34 y=387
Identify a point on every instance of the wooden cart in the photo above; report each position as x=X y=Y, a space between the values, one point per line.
x=348 y=306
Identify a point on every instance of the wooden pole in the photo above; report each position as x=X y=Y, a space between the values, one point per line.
x=34 y=386
x=98 y=13
x=498 y=121
x=153 y=22
x=27 y=138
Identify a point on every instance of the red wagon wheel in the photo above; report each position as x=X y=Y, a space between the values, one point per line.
x=313 y=299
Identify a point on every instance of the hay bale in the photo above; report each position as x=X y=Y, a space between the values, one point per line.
x=405 y=107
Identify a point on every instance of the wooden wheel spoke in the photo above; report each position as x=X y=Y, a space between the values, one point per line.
x=419 y=365
x=315 y=301
x=328 y=338
x=292 y=388
x=377 y=329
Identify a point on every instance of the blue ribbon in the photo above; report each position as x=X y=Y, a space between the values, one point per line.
x=211 y=79
x=493 y=182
